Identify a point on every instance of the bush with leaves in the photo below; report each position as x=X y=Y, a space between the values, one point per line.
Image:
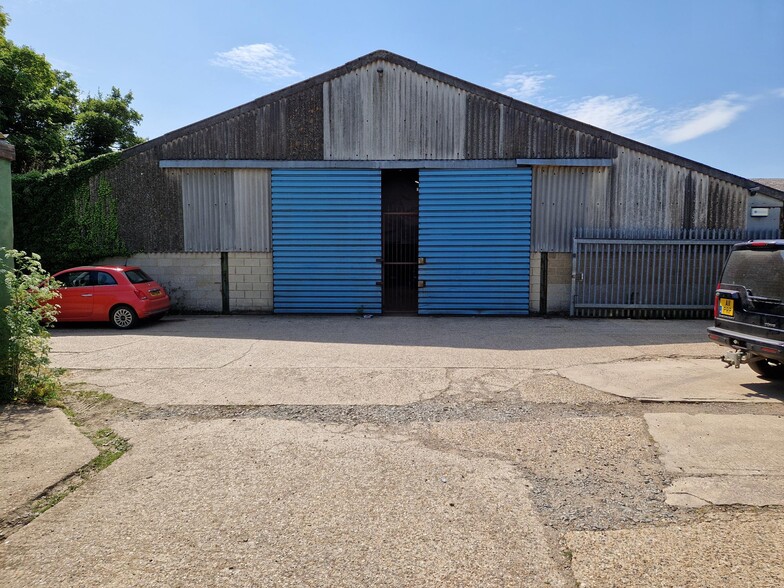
x=25 y=374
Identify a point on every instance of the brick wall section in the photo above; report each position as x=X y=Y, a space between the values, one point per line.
x=559 y=282
x=192 y=280
x=250 y=282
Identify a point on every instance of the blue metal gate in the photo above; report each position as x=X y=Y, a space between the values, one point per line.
x=474 y=241
x=326 y=241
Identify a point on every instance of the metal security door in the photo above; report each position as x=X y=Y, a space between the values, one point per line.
x=326 y=241
x=474 y=241
x=399 y=240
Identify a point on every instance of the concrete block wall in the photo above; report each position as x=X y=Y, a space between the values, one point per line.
x=250 y=282
x=535 y=283
x=192 y=280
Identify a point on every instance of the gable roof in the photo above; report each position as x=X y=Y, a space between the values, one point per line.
x=491 y=95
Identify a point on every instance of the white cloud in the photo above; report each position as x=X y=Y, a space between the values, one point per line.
x=631 y=117
x=626 y=115
x=523 y=86
x=701 y=120
x=263 y=61
x=779 y=92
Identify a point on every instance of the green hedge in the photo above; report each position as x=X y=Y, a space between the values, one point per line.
x=56 y=217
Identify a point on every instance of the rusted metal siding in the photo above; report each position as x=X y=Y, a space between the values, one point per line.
x=566 y=198
x=149 y=203
x=226 y=210
x=394 y=113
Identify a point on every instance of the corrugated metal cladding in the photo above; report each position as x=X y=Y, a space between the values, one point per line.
x=326 y=235
x=639 y=193
x=475 y=236
x=288 y=128
x=226 y=210
x=649 y=193
x=567 y=198
x=394 y=113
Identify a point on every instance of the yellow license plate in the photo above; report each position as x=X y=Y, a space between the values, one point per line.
x=726 y=307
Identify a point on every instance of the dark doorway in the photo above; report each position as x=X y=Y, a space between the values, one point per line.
x=400 y=239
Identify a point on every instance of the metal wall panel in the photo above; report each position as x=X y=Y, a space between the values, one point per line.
x=475 y=236
x=649 y=193
x=226 y=210
x=528 y=136
x=252 y=215
x=567 y=198
x=205 y=195
x=394 y=113
x=326 y=236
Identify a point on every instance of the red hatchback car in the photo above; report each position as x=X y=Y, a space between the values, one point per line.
x=121 y=295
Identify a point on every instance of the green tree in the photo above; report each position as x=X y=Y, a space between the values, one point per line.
x=42 y=115
x=37 y=105
x=105 y=123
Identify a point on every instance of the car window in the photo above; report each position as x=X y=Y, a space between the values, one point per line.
x=137 y=276
x=75 y=279
x=760 y=272
x=103 y=279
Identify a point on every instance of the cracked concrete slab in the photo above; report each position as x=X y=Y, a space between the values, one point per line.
x=711 y=444
x=595 y=472
x=749 y=490
x=729 y=459
x=257 y=386
x=261 y=502
x=744 y=551
x=676 y=380
x=38 y=448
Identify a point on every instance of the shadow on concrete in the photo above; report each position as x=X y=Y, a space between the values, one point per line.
x=492 y=333
x=765 y=389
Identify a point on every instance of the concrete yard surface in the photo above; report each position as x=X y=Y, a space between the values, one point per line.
x=38 y=448
x=746 y=550
x=725 y=459
x=393 y=361
x=410 y=451
x=270 y=503
x=677 y=380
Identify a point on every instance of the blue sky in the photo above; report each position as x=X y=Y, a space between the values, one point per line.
x=701 y=78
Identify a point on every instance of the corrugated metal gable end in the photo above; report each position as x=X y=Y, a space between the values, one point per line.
x=394 y=113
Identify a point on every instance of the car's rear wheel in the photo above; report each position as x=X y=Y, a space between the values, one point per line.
x=770 y=370
x=123 y=317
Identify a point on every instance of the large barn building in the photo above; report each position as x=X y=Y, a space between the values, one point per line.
x=385 y=186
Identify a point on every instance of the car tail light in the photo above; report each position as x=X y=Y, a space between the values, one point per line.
x=759 y=244
x=139 y=294
x=716 y=303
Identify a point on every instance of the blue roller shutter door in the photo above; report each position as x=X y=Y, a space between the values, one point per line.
x=475 y=236
x=326 y=241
